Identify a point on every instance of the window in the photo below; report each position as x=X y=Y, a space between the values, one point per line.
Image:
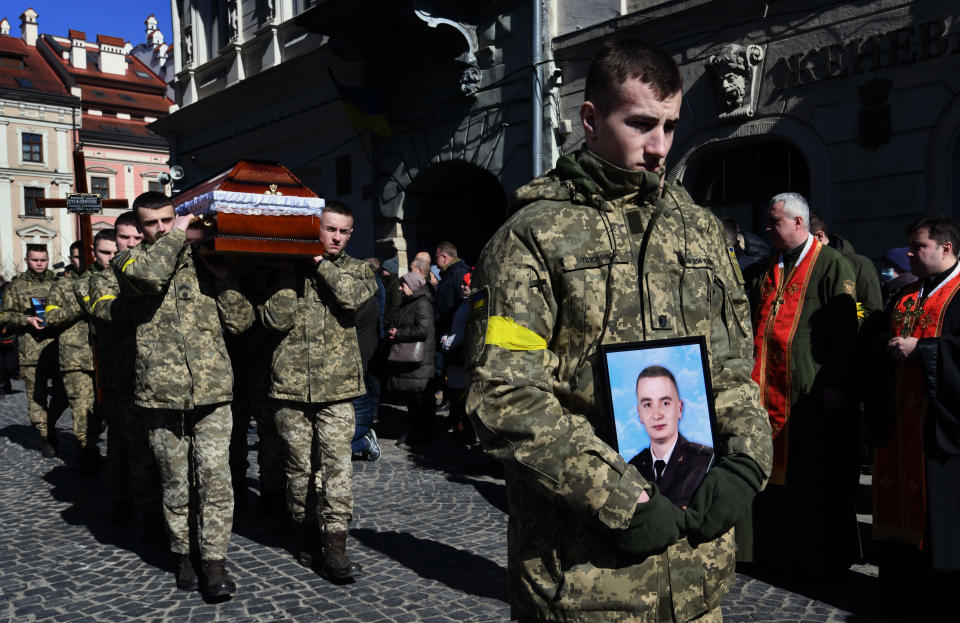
x=342 y=165
x=25 y=83
x=155 y=186
x=11 y=62
x=100 y=186
x=30 y=196
x=142 y=74
x=32 y=147
x=126 y=97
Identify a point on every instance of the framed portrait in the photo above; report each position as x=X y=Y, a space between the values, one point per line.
x=660 y=402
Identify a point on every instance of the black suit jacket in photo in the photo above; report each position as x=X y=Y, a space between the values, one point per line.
x=683 y=474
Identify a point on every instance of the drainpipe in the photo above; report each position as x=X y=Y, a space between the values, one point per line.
x=537 y=104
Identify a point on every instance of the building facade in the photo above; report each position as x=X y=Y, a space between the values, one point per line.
x=856 y=105
x=37 y=118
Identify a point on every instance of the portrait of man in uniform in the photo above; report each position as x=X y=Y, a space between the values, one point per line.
x=662 y=422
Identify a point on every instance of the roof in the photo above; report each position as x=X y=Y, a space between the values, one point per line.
x=138 y=73
x=35 y=75
x=125 y=127
x=124 y=100
x=114 y=41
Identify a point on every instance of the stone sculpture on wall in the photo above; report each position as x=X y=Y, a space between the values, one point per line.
x=736 y=69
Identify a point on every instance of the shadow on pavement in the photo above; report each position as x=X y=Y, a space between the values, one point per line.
x=460 y=570
x=23 y=435
x=495 y=493
x=89 y=500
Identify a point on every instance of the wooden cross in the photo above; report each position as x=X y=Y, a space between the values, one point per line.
x=80 y=186
x=907 y=319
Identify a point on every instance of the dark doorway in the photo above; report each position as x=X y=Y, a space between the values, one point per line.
x=956 y=177
x=738 y=182
x=453 y=201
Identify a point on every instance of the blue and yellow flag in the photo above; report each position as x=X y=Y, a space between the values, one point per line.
x=363 y=108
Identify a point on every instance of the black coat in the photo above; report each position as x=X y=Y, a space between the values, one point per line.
x=449 y=293
x=414 y=323
x=683 y=474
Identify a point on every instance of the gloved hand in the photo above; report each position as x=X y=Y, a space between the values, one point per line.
x=655 y=525
x=723 y=498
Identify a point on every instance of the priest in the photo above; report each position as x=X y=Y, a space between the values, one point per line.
x=805 y=328
x=916 y=478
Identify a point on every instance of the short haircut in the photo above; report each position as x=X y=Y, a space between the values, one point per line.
x=127 y=218
x=76 y=246
x=447 y=248
x=622 y=59
x=939 y=228
x=652 y=372
x=37 y=248
x=421 y=265
x=793 y=205
x=338 y=207
x=818 y=224
x=109 y=235
x=150 y=200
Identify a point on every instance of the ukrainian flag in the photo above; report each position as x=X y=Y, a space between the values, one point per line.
x=363 y=108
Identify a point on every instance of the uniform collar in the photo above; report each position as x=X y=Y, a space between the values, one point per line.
x=595 y=176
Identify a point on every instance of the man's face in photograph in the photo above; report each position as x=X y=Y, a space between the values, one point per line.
x=660 y=408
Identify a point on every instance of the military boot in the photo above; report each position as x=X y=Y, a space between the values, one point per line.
x=308 y=549
x=50 y=445
x=186 y=576
x=217 y=583
x=334 y=564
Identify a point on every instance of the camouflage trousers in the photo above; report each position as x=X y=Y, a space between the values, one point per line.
x=132 y=468
x=81 y=394
x=194 y=444
x=317 y=443
x=44 y=415
x=662 y=616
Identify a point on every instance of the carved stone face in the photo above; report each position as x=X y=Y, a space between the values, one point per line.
x=733 y=85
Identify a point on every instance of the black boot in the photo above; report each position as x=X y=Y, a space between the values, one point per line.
x=50 y=445
x=306 y=531
x=217 y=583
x=186 y=576
x=334 y=564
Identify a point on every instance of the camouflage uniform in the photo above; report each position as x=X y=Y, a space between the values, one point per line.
x=317 y=370
x=132 y=467
x=37 y=350
x=65 y=311
x=562 y=277
x=184 y=382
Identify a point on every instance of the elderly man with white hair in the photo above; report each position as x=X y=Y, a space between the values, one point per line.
x=804 y=327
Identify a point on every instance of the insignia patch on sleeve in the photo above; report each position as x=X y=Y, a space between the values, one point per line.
x=735 y=264
x=477 y=324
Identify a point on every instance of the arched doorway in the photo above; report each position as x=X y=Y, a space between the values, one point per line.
x=453 y=201
x=737 y=181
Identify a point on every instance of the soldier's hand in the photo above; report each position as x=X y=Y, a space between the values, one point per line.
x=35 y=322
x=655 y=525
x=723 y=498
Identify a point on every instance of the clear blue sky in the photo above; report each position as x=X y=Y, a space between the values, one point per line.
x=115 y=18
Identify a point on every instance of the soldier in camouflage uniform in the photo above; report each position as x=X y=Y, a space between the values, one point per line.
x=66 y=310
x=184 y=382
x=605 y=251
x=133 y=470
x=37 y=348
x=317 y=371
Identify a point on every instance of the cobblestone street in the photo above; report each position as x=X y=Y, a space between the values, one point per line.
x=429 y=530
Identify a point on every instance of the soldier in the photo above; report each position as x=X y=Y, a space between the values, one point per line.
x=66 y=311
x=316 y=373
x=184 y=382
x=23 y=305
x=133 y=470
x=604 y=250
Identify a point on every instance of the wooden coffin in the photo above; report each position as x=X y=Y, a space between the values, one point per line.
x=254 y=208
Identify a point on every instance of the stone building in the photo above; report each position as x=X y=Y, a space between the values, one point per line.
x=854 y=104
x=155 y=53
x=452 y=79
x=37 y=117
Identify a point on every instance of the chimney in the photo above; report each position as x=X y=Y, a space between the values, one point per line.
x=28 y=27
x=4 y=26
x=78 y=49
x=112 y=57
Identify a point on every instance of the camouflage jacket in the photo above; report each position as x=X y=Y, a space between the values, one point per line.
x=115 y=331
x=182 y=361
x=67 y=311
x=16 y=308
x=318 y=359
x=562 y=277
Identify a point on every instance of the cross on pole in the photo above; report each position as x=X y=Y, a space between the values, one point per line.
x=80 y=186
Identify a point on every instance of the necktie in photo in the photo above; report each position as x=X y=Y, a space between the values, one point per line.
x=658 y=466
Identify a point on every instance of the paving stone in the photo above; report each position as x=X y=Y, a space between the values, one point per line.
x=428 y=528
